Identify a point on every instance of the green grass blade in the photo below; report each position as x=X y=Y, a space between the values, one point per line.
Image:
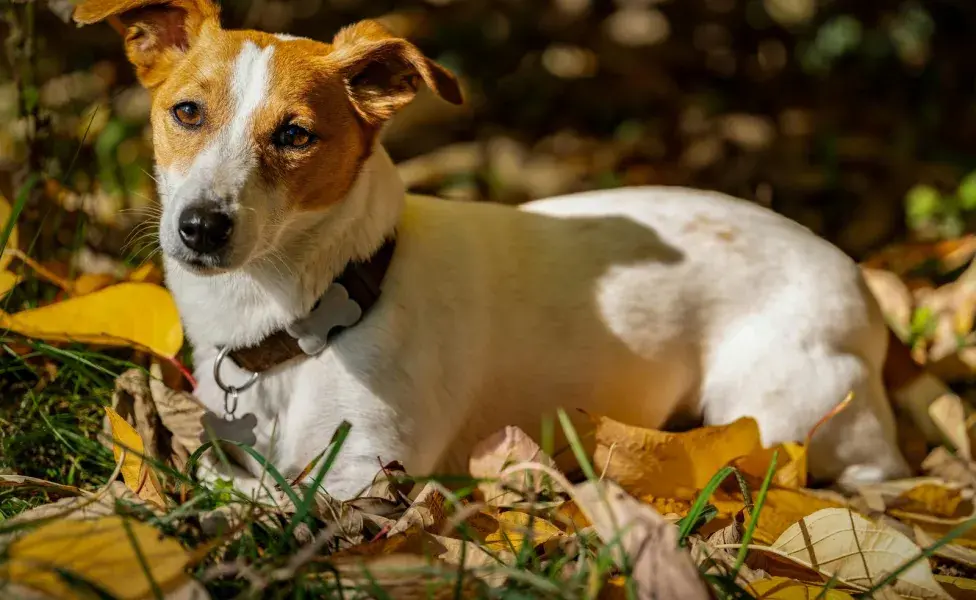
x=577 y=446
x=740 y=558
x=302 y=509
x=687 y=523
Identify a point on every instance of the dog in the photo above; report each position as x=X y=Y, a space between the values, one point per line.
x=315 y=291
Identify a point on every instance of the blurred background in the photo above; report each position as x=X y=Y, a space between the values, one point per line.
x=855 y=117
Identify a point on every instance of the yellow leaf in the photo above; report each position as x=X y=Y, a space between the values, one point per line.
x=933 y=499
x=648 y=462
x=135 y=471
x=959 y=588
x=782 y=509
x=128 y=314
x=103 y=552
x=7 y=282
x=781 y=588
x=5 y=213
x=515 y=529
x=791 y=465
x=86 y=283
x=147 y=273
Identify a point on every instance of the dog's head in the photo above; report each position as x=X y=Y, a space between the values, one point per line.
x=254 y=130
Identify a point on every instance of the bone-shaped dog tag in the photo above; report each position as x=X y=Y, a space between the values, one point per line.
x=335 y=309
x=234 y=429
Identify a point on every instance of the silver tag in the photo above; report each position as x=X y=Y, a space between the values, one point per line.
x=335 y=309
x=234 y=429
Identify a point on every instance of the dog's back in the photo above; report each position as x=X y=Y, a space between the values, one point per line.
x=642 y=303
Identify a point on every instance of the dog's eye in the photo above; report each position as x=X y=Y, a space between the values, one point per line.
x=292 y=136
x=188 y=113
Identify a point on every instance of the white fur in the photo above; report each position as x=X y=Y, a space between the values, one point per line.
x=642 y=304
x=639 y=304
x=223 y=172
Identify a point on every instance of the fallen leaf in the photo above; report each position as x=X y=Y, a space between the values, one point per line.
x=427 y=511
x=641 y=539
x=948 y=412
x=111 y=552
x=952 y=552
x=180 y=413
x=844 y=544
x=136 y=473
x=516 y=528
x=84 y=507
x=50 y=487
x=405 y=576
x=648 y=462
x=569 y=517
x=8 y=281
x=781 y=588
x=128 y=314
x=894 y=298
x=933 y=499
x=6 y=211
x=86 y=283
x=942 y=464
x=721 y=561
x=791 y=465
x=959 y=588
x=504 y=448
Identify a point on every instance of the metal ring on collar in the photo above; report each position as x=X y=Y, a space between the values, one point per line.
x=230 y=389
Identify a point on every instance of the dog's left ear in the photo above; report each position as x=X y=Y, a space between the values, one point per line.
x=382 y=71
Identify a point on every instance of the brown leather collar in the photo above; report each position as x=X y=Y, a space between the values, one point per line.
x=362 y=281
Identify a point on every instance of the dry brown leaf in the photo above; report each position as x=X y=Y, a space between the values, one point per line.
x=82 y=507
x=22 y=481
x=111 y=552
x=405 y=577
x=505 y=448
x=894 y=297
x=948 y=412
x=648 y=462
x=390 y=483
x=641 y=538
x=427 y=511
x=720 y=561
x=942 y=464
x=180 y=414
x=848 y=546
x=136 y=472
x=952 y=552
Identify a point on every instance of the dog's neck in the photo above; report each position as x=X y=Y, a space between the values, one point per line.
x=243 y=307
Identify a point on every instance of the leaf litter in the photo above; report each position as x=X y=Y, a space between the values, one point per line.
x=704 y=513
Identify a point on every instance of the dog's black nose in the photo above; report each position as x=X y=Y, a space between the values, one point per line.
x=205 y=230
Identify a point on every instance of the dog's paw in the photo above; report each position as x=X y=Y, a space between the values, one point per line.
x=856 y=476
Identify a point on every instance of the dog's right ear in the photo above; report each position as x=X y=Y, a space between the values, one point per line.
x=157 y=32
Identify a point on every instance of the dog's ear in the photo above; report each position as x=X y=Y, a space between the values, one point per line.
x=382 y=71
x=157 y=32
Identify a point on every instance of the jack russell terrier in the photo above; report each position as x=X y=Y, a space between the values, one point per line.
x=315 y=290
